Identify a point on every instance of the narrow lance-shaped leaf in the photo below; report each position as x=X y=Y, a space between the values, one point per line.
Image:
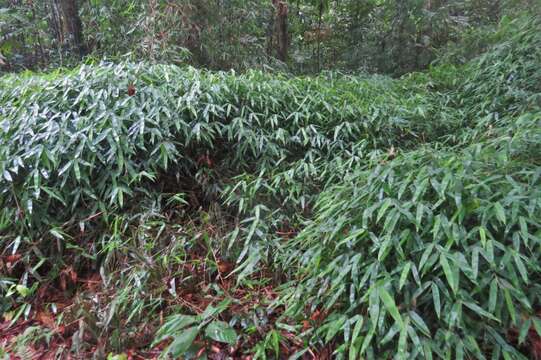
x=449 y=274
x=390 y=305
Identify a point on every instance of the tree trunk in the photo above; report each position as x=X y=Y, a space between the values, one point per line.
x=40 y=58
x=495 y=11
x=69 y=29
x=320 y=18
x=282 y=35
x=270 y=33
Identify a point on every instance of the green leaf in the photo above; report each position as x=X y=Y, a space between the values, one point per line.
x=475 y=262
x=22 y=290
x=479 y=310
x=483 y=235
x=419 y=215
x=173 y=326
x=77 y=170
x=524 y=329
x=220 y=331
x=182 y=342
x=425 y=256
x=57 y=233
x=500 y=212
x=437 y=225
x=449 y=274
x=215 y=310
x=523 y=229
x=367 y=340
x=436 y=299
x=521 y=268
x=386 y=203
x=427 y=351
x=510 y=305
x=493 y=297
x=537 y=324
x=7 y=176
x=334 y=327
x=357 y=330
x=404 y=275
x=390 y=305
x=419 y=323
x=403 y=343
x=273 y=339
x=459 y=351
x=374 y=307
x=390 y=334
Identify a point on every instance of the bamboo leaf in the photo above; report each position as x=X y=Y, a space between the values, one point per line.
x=390 y=305
x=449 y=274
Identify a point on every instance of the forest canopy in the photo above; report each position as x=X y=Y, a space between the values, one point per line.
x=270 y=180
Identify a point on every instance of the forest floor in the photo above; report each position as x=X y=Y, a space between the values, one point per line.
x=55 y=325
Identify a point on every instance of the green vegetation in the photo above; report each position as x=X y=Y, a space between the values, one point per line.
x=200 y=212
x=384 y=36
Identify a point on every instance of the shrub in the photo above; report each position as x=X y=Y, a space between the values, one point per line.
x=436 y=249
x=436 y=252
x=402 y=211
x=93 y=140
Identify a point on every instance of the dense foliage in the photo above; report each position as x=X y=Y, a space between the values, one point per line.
x=386 y=36
x=401 y=216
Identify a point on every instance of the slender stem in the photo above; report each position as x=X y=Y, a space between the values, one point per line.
x=319 y=36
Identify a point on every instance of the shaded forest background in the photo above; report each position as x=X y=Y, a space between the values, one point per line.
x=302 y=37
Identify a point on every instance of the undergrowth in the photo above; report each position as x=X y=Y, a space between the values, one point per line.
x=159 y=208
